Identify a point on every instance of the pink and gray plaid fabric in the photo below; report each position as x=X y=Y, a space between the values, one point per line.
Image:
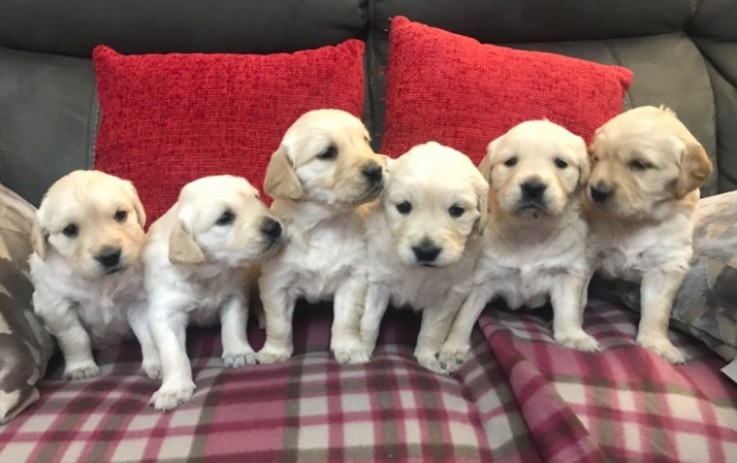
x=520 y=398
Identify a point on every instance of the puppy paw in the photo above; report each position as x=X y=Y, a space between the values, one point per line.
x=236 y=360
x=270 y=354
x=452 y=357
x=82 y=370
x=152 y=369
x=663 y=347
x=579 y=340
x=169 y=396
x=350 y=352
x=431 y=361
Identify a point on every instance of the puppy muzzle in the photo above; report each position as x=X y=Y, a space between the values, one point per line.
x=532 y=197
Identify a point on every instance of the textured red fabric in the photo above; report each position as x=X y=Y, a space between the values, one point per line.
x=169 y=119
x=450 y=88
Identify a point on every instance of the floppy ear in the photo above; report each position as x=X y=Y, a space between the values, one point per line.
x=137 y=206
x=695 y=169
x=485 y=167
x=39 y=240
x=281 y=181
x=584 y=169
x=482 y=203
x=182 y=247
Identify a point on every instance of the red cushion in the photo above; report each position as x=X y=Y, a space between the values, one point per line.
x=450 y=88
x=169 y=119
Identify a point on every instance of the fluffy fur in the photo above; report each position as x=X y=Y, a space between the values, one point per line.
x=647 y=168
x=197 y=260
x=323 y=170
x=423 y=239
x=534 y=245
x=87 y=269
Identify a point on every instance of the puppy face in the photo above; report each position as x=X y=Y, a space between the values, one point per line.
x=94 y=221
x=535 y=170
x=642 y=159
x=435 y=198
x=222 y=220
x=325 y=157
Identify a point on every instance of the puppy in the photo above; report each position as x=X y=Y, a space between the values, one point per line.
x=534 y=247
x=643 y=189
x=197 y=260
x=323 y=170
x=87 y=269
x=423 y=240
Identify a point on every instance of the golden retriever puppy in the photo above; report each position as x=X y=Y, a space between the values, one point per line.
x=643 y=189
x=423 y=240
x=197 y=260
x=534 y=246
x=323 y=170
x=87 y=270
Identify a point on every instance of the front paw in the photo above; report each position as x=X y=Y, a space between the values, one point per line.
x=272 y=354
x=663 y=347
x=240 y=358
x=170 y=395
x=431 y=361
x=350 y=351
x=578 y=340
x=451 y=357
x=152 y=369
x=81 y=370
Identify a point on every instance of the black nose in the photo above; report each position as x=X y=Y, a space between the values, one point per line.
x=109 y=257
x=533 y=189
x=426 y=252
x=600 y=192
x=271 y=228
x=373 y=172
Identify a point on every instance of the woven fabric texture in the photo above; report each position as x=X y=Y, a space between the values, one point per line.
x=452 y=89
x=520 y=397
x=169 y=119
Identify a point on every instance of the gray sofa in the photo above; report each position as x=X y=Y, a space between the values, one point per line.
x=584 y=407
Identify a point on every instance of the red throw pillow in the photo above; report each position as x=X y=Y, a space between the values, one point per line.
x=169 y=119
x=450 y=88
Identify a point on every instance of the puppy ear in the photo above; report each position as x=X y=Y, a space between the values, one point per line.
x=584 y=169
x=281 y=181
x=695 y=169
x=137 y=206
x=482 y=203
x=39 y=240
x=182 y=247
x=485 y=164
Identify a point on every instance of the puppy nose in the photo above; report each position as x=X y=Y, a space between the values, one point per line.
x=373 y=172
x=109 y=257
x=271 y=228
x=426 y=251
x=600 y=192
x=533 y=189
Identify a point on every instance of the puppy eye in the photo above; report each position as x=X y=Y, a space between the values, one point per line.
x=456 y=211
x=639 y=164
x=511 y=162
x=226 y=218
x=70 y=231
x=120 y=216
x=330 y=152
x=404 y=207
x=560 y=164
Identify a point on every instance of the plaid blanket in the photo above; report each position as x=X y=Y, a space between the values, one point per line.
x=520 y=397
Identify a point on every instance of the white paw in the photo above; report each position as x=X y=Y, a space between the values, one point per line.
x=578 y=340
x=81 y=370
x=430 y=361
x=663 y=347
x=152 y=369
x=235 y=360
x=269 y=354
x=350 y=351
x=170 y=395
x=452 y=357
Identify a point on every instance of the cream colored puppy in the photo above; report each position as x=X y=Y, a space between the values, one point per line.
x=197 y=260
x=323 y=170
x=423 y=240
x=643 y=189
x=87 y=269
x=534 y=246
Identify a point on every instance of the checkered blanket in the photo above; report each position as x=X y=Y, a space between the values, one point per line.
x=520 y=397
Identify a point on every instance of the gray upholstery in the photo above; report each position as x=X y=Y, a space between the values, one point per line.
x=683 y=54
